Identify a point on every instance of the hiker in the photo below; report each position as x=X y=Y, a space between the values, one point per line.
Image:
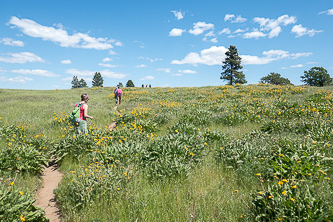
x=115 y=94
x=82 y=127
x=119 y=94
x=143 y=86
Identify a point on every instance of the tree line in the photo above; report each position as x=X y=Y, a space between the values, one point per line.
x=96 y=82
x=316 y=76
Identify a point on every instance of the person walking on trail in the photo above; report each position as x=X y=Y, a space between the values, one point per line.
x=119 y=94
x=82 y=126
x=115 y=94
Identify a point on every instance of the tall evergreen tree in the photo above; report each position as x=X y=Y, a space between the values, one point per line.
x=130 y=83
x=316 y=76
x=231 y=66
x=97 y=80
x=82 y=83
x=75 y=82
x=120 y=84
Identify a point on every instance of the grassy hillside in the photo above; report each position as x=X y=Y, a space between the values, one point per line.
x=226 y=153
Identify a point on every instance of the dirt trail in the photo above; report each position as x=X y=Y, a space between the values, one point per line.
x=45 y=197
x=51 y=178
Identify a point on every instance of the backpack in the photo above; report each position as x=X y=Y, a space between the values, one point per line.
x=74 y=117
x=119 y=92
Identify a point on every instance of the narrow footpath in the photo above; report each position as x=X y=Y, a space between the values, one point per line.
x=51 y=178
x=45 y=197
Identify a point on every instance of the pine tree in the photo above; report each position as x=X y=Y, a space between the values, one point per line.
x=75 y=82
x=82 y=83
x=120 y=84
x=97 y=80
x=231 y=66
x=130 y=83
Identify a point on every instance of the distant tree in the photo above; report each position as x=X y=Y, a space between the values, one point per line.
x=75 y=82
x=97 y=80
x=130 y=83
x=231 y=66
x=316 y=76
x=275 y=79
x=120 y=84
x=82 y=83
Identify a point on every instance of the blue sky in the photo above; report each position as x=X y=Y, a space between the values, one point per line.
x=165 y=43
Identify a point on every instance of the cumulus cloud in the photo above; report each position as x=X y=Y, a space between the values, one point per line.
x=22 y=57
x=296 y=66
x=18 y=79
x=148 y=78
x=179 y=15
x=176 y=32
x=215 y=55
x=187 y=71
x=225 y=31
x=299 y=30
x=328 y=12
x=254 y=34
x=141 y=66
x=67 y=61
x=273 y=26
x=35 y=72
x=212 y=56
x=167 y=70
x=107 y=65
x=60 y=36
x=149 y=59
x=234 y=19
x=11 y=42
x=107 y=59
x=200 y=27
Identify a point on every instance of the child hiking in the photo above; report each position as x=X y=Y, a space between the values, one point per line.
x=82 y=124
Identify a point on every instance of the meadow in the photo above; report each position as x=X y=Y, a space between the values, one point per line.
x=226 y=153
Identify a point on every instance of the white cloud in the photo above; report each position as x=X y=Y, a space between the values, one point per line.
x=167 y=70
x=111 y=52
x=107 y=59
x=240 y=30
x=296 y=66
x=300 y=54
x=141 y=66
x=107 y=65
x=118 y=43
x=67 y=61
x=328 y=12
x=35 y=72
x=179 y=15
x=254 y=34
x=273 y=26
x=225 y=31
x=176 y=32
x=142 y=45
x=11 y=42
x=215 y=55
x=18 y=79
x=87 y=73
x=299 y=30
x=148 y=78
x=212 y=56
x=228 y=17
x=60 y=36
x=176 y=74
x=187 y=71
x=149 y=59
x=200 y=27
x=22 y=57
x=234 y=19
